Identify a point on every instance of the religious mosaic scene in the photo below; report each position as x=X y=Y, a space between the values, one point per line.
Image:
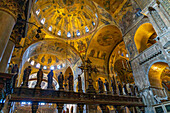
x=85 y=56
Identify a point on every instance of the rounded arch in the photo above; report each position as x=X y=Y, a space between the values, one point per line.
x=144 y=37
x=154 y=73
x=58 y=53
x=123 y=70
x=103 y=41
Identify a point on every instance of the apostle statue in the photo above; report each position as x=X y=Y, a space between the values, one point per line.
x=132 y=89
x=128 y=89
x=70 y=82
x=60 y=80
x=107 y=86
x=113 y=85
x=136 y=90
x=79 y=84
x=125 y=89
x=50 y=80
x=101 y=87
x=120 y=88
x=39 y=78
x=27 y=72
x=15 y=71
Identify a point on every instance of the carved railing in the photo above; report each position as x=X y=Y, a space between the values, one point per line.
x=53 y=96
x=150 y=53
x=5 y=86
x=159 y=92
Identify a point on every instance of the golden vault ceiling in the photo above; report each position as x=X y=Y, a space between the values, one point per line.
x=91 y=28
x=66 y=19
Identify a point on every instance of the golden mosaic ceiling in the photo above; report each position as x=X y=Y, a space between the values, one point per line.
x=66 y=19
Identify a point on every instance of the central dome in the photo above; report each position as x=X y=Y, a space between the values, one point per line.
x=66 y=19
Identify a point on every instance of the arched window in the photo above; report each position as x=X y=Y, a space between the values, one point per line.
x=59 y=33
x=69 y=34
x=43 y=21
x=78 y=33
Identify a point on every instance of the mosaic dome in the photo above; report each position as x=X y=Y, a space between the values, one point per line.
x=66 y=19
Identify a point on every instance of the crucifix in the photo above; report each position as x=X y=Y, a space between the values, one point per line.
x=88 y=68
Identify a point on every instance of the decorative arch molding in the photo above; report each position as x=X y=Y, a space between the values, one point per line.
x=151 y=64
x=101 y=45
x=143 y=34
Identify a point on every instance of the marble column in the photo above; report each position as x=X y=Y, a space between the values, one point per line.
x=7 y=56
x=80 y=108
x=60 y=107
x=7 y=22
x=92 y=108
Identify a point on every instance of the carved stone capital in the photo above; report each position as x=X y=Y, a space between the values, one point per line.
x=13 y=7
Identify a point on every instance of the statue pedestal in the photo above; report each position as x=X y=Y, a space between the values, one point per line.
x=37 y=87
x=108 y=93
x=61 y=89
x=91 y=89
x=24 y=86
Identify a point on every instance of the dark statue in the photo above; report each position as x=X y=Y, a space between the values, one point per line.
x=101 y=87
x=120 y=88
x=79 y=84
x=113 y=85
x=107 y=86
x=39 y=78
x=15 y=71
x=132 y=89
x=136 y=90
x=60 y=80
x=125 y=88
x=50 y=80
x=27 y=72
x=70 y=82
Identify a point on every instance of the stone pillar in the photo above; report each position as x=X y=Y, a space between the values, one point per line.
x=132 y=109
x=120 y=109
x=7 y=56
x=80 y=108
x=92 y=108
x=104 y=108
x=34 y=107
x=7 y=23
x=60 y=107
x=9 y=10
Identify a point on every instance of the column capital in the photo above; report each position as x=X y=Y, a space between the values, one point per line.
x=13 y=7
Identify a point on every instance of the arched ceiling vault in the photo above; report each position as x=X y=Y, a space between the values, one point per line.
x=155 y=73
x=51 y=52
x=101 y=45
